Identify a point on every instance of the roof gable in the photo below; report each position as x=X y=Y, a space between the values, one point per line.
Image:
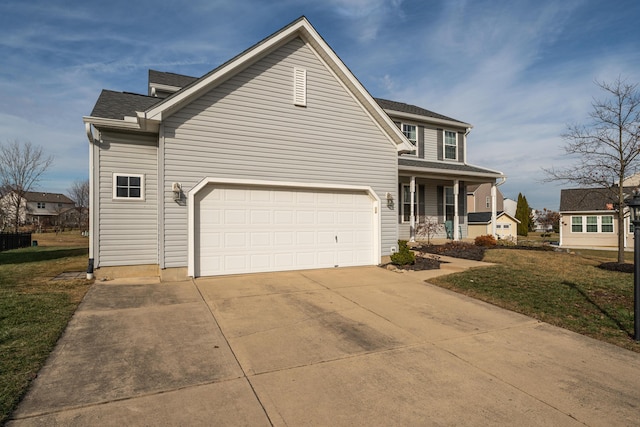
x=302 y=29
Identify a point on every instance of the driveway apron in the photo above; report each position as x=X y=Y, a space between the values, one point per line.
x=348 y=346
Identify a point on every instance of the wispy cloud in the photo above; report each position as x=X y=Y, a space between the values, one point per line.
x=519 y=71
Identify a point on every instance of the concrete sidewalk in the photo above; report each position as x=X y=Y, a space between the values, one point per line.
x=348 y=346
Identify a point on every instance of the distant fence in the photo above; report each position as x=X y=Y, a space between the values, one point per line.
x=14 y=241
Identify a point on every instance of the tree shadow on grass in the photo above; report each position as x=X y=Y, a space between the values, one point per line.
x=599 y=308
x=21 y=256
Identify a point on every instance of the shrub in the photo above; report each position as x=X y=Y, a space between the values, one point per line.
x=487 y=240
x=404 y=255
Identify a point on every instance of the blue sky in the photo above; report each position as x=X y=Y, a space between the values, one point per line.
x=519 y=71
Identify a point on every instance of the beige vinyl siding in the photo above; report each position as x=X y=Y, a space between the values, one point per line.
x=249 y=128
x=128 y=232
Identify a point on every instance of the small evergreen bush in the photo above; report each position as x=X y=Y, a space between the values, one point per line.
x=404 y=256
x=486 y=240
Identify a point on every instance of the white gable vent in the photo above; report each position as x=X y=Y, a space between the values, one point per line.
x=300 y=87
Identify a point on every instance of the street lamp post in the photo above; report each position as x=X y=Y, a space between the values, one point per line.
x=634 y=209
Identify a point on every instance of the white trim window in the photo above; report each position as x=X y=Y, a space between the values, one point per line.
x=42 y=205
x=450 y=145
x=406 y=203
x=128 y=186
x=592 y=224
x=449 y=203
x=411 y=132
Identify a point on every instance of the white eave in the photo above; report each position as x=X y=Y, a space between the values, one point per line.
x=300 y=28
x=452 y=172
x=129 y=123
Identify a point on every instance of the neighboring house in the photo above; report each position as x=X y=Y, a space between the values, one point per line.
x=279 y=159
x=588 y=219
x=480 y=224
x=37 y=208
x=479 y=198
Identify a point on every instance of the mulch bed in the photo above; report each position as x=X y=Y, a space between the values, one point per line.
x=614 y=266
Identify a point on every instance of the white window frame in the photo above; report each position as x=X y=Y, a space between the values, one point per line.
x=488 y=202
x=414 y=141
x=41 y=205
x=584 y=225
x=444 y=201
x=128 y=175
x=445 y=145
x=408 y=204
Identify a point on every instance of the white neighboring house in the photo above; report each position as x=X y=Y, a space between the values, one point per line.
x=279 y=159
x=37 y=208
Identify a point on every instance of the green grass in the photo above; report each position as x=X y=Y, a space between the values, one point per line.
x=565 y=290
x=34 y=310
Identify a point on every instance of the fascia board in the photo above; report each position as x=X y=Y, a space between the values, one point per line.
x=111 y=123
x=129 y=123
x=167 y=88
x=427 y=119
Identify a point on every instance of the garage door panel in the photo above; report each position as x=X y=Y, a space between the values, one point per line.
x=245 y=229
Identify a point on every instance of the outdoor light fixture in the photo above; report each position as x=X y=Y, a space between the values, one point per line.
x=634 y=210
x=389 y=200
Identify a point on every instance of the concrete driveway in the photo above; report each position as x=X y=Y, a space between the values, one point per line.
x=349 y=346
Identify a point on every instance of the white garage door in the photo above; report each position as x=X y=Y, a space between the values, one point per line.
x=241 y=229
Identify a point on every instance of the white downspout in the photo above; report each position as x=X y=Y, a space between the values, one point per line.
x=87 y=127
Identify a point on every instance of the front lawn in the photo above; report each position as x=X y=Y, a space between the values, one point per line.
x=566 y=290
x=34 y=310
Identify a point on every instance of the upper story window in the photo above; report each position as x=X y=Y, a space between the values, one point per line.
x=450 y=145
x=487 y=202
x=128 y=186
x=42 y=205
x=410 y=132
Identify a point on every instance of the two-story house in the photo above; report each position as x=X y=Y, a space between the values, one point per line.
x=279 y=159
x=36 y=208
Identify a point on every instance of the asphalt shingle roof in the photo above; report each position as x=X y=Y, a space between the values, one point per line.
x=481 y=217
x=412 y=109
x=38 y=196
x=456 y=167
x=589 y=199
x=170 y=79
x=117 y=105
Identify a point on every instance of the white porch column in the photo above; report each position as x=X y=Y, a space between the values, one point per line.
x=412 y=213
x=456 y=220
x=494 y=209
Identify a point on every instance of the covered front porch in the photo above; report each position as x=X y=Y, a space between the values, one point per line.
x=433 y=198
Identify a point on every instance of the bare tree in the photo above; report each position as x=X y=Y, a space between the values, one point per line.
x=606 y=147
x=428 y=227
x=79 y=193
x=21 y=166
